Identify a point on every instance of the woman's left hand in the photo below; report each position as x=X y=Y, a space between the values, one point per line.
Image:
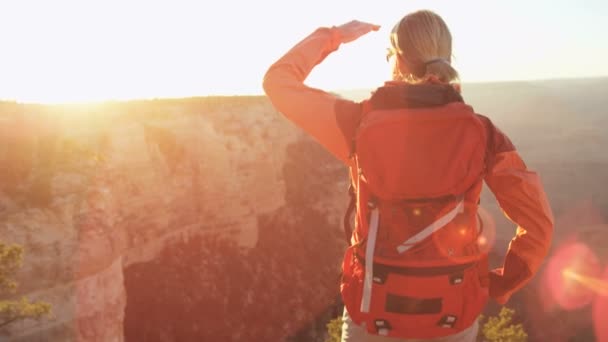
x=355 y=29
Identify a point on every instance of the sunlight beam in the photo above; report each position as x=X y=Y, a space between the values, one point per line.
x=594 y=284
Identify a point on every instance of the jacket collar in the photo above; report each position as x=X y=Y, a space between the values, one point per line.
x=395 y=95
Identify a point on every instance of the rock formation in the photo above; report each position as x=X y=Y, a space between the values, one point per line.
x=216 y=219
x=234 y=211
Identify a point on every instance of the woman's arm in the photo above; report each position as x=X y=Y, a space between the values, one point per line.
x=521 y=196
x=323 y=115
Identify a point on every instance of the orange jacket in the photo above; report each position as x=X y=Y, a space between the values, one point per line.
x=326 y=117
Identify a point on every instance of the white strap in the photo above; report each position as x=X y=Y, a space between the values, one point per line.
x=369 y=260
x=430 y=229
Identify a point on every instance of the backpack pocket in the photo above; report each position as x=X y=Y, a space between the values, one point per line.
x=418 y=302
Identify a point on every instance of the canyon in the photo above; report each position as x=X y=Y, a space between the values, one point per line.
x=216 y=219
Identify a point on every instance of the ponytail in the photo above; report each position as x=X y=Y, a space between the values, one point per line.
x=424 y=43
x=441 y=69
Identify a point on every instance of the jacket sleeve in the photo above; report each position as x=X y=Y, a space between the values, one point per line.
x=521 y=196
x=324 y=116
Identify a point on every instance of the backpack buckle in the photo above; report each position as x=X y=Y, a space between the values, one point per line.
x=380 y=275
x=456 y=279
x=447 y=321
x=382 y=327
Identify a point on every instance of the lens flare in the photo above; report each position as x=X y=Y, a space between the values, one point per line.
x=463 y=232
x=596 y=285
x=600 y=311
x=571 y=276
x=487 y=238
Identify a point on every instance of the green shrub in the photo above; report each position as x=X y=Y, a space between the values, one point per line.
x=15 y=310
x=334 y=330
x=501 y=328
x=493 y=329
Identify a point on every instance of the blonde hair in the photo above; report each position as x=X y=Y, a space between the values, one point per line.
x=423 y=42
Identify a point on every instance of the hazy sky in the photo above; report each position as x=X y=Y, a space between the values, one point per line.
x=92 y=50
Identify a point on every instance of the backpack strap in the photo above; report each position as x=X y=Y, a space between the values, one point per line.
x=369 y=255
x=348 y=118
x=433 y=227
x=349 y=211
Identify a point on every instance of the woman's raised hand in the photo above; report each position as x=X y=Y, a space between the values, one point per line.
x=355 y=29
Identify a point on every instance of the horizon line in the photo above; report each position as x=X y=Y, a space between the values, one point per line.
x=261 y=94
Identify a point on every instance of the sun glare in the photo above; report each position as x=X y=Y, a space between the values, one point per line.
x=572 y=276
x=597 y=285
x=600 y=312
x=70 y=51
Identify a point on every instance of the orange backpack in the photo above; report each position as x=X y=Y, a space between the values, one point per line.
x=414 y=268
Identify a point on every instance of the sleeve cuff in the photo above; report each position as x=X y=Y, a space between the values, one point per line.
x=509 y=279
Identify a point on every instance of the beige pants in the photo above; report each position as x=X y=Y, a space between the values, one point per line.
x=354 y=333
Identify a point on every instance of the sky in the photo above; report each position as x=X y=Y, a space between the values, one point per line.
x=71 y=51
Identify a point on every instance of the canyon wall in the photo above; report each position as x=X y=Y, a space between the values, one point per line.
x=253 y=205
x=215 y=219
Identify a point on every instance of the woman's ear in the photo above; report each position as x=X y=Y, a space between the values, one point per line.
x=401 y=66
x=399 y=70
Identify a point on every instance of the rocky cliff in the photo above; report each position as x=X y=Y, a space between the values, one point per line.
x=215 y=219
x=124 y=207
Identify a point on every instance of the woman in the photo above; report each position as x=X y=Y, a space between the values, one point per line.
x=422 y=83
